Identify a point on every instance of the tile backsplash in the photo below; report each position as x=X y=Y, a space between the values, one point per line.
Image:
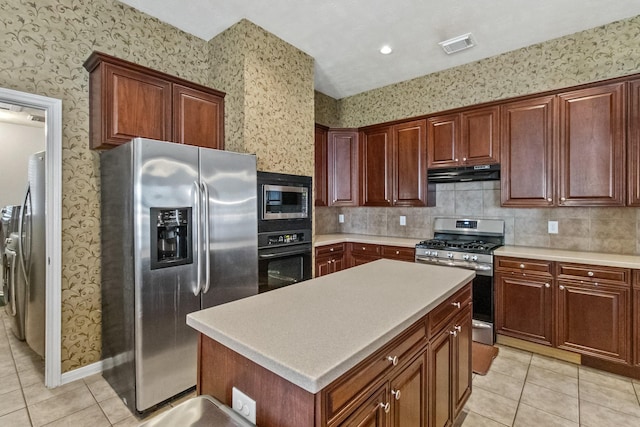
x=613 y=230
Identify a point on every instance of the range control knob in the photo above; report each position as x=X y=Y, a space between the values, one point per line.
x=433 y=253
x=450 y=255
x=474 y=258
x=465 y=257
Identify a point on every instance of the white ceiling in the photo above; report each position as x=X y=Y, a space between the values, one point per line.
x=344 y=36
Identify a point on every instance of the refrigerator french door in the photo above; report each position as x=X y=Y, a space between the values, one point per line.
x=179 y=233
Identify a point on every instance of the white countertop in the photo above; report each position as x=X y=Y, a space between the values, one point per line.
x=313 y=332
x=592 y=258
x=330 y=239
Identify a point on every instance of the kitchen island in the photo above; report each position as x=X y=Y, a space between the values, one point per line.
x=330 y=351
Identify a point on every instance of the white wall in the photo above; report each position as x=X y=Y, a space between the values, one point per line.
x=17 y=143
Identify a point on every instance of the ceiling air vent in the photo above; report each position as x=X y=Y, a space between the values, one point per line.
x=457 y=44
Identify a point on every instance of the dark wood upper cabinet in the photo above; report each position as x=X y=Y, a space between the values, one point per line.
x=127 y=100
x=592 y=147
x=527 y=144
x=471 y=137
x=320 y=176
x=633 y=144
x=376 y=166
x=198 y=117
x=342 y=167
x=393 y=163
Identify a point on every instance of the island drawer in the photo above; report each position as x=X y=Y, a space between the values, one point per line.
x=440 y=316
x=329 y=249
x=526 y=266
x=594 y=273
x=399 y=252
x=364 y=248
x=352 y=386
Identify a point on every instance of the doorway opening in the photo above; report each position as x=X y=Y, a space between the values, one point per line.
x=50 y=110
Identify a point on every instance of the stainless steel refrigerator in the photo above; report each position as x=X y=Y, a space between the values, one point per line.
x=179 y=234
x=25 y=269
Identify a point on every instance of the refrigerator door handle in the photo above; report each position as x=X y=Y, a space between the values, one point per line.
x=198 y=243
x=12 y=285
x=207 y=238
x=21 y=236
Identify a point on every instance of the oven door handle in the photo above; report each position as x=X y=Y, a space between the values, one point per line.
x=278 y=254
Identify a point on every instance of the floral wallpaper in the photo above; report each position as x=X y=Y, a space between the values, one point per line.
x=326 y=110
x=604 y=52
x=42 y=47
x=269 y=106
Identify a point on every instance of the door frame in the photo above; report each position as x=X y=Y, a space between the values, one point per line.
x=53 y=304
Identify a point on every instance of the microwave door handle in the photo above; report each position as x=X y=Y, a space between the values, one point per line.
x=198 y=243
x=298 y=252
x=207 y=239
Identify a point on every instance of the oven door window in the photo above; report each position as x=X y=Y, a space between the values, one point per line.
x=483 y=298
x=276 y=272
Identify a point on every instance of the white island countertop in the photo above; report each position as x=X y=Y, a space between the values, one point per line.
x=313 y=332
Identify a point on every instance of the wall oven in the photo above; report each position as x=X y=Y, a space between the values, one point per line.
x=284 y=230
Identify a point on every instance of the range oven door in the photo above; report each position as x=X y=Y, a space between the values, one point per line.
x=283 y=266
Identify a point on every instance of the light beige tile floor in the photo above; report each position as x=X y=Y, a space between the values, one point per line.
x=521 y=389
x=529 y=390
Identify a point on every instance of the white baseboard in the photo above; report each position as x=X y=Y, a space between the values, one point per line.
x=85 y=371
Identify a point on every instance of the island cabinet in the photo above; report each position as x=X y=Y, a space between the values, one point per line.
x=393 y=165
x=467 y=138
x=127 y=100
x=524 y=299
x=329 y=259
x=566 y=149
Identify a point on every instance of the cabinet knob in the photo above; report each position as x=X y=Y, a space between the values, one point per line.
x=458 y=328
x=546 y=285
x=396 y=394
x=595 y=284
x=549 y=200
x=385 y=406
x=521 y=265
x=331 y=250
x=456 y=304
x=561 y=287
x=562 y=199
x=363 y=248
x=464 y=159
x=397 y=252
x=393 y=359
x=590 y=274
x=454 y=333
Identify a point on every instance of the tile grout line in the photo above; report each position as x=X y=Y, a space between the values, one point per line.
x=15 y=367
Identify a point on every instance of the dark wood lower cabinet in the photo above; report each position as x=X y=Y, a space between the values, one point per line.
x=594 y=319
x=371 y=413
x=408 y=395
x=524 y=307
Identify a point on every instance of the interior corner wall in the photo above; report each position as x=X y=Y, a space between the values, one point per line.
x=270 y=106
x=326 y=110
x=599 y=53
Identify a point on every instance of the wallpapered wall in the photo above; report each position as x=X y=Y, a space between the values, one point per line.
x=270 y=107
x=43 y=45
x=608 y=51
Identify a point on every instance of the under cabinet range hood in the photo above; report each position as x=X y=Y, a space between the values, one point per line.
x=464 y=174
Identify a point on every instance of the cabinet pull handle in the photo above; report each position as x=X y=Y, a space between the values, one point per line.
x=521 y=265
x=396 y=394
x=590 y=274
x=456 y=304
x=454 y=333
x=393 y=360
x=546 y=285
x=561 y=288
x=458 y=328
x=385 y=406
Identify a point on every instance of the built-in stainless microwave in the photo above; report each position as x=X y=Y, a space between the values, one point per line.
x=284 y=202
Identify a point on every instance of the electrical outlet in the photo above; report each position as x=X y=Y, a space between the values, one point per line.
x=341 y=218
x=403 y=220
x=244 y=405
x=553 y=227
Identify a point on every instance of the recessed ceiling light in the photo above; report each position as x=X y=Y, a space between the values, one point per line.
x=457 y=44
x=386 y=49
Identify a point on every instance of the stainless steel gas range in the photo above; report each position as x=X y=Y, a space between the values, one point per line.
x=468 y=243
